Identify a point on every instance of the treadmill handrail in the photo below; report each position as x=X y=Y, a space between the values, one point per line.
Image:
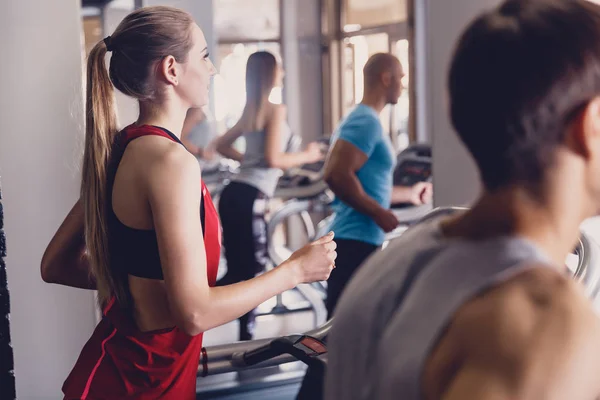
x=217 y=356
x=263 y=353
x=291 y=207
x=309 y=191
x=412 y=214
x=588 y=267
x=220 y=359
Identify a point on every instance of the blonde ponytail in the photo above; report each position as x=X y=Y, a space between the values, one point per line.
x=141 y=40
x=100 y=129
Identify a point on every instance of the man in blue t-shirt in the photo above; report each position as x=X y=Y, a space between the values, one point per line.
x=359 y=170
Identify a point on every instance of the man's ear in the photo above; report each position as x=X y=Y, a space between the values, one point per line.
x=386 y=78
x=584 y=133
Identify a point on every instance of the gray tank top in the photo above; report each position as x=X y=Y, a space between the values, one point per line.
x=400 y=302
x=254 y=169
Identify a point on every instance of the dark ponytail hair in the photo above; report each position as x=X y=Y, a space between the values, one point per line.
x=260 y=80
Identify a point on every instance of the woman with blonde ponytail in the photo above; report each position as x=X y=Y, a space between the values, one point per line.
x=144 y=232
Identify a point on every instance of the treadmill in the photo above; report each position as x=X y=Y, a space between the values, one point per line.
x=305 y=192
x=274 y=368
x=412 y=165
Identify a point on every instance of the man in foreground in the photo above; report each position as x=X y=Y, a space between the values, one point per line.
x=480 y=305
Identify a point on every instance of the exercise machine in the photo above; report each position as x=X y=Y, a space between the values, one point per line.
x=310 y=348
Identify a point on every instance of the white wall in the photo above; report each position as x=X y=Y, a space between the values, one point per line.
x=41 y=122
x=441 y=22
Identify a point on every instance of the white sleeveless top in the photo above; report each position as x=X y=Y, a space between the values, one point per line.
x=399 y=303
x=254 y=170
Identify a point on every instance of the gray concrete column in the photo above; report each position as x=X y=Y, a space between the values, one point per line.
x=301 y=39
x=438 y=26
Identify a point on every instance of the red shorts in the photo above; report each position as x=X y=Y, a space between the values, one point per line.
x=121 y=362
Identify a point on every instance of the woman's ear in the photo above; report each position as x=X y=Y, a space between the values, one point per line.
x=168 y=71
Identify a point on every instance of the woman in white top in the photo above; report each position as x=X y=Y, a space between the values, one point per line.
x=243 y=202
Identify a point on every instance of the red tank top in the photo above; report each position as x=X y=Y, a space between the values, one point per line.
x=121 y=362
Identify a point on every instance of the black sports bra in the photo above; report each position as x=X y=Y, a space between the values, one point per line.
x=134 y=251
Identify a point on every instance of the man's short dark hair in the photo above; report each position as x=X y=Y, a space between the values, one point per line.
x=520 y=74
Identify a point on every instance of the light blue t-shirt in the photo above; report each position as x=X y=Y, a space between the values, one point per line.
x=363 y=129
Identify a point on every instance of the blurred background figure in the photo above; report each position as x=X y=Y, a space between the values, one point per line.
x=244 y=202
x=199 y=134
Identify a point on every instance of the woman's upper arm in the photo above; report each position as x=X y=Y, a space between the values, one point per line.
x=174 y=196
x=230 y=136
x=64 y=261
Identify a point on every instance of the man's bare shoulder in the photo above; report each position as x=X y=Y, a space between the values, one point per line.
x=535 y=335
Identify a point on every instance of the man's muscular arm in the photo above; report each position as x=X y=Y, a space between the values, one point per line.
x=344 y=160
x=535 y=337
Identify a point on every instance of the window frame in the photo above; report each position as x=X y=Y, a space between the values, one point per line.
x=333 y=36
x=375 y=28
x=251 y=39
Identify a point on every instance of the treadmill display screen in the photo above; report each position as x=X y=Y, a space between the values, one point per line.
x=410 y=172
x=314 y=345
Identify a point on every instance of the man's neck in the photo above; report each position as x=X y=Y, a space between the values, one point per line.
x=374 y=100
x=552 y=226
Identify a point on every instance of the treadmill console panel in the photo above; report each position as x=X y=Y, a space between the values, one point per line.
x=411 y=171
x=311 y=346
x=413 y=166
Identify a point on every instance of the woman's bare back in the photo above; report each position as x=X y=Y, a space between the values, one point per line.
x=132 y=207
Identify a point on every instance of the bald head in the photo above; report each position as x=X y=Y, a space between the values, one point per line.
x=383 y=74
x=377 y=65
